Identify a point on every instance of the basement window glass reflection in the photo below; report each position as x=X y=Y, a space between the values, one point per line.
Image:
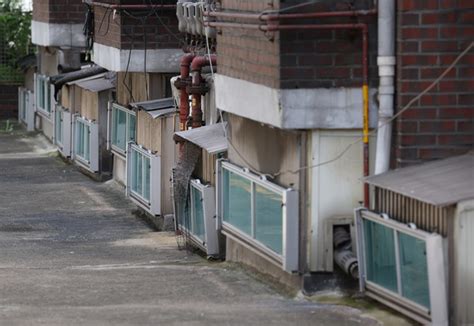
x=123 y=128
x=140 y=175
x=254 y=208
x=397 y=262
x=43 y=94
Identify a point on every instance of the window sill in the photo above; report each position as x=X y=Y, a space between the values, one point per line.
x=43 y=113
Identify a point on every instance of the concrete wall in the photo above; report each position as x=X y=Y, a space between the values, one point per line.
x=265 y=150
x=335 y=189
x=138 y=87
x=268 y=150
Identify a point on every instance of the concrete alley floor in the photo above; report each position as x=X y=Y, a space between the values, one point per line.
x=73 y=253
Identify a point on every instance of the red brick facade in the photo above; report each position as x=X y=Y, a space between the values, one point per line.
x=296 y=59
x=122 y=31
x=59 y=11
x=430 y=36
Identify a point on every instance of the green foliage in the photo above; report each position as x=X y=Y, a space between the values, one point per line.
x=15 y=35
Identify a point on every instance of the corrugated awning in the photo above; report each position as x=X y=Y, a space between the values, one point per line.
x=156 y=108
x=164 y=103
x=441 y=183
x=97 y=84
x=211 y=138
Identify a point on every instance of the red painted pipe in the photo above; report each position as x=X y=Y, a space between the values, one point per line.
x=269 y=16
x=131 y=6
x=196 y=67
x=183 y=94
x=274 y=26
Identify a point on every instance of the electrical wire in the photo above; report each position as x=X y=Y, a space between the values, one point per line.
x=405 y=108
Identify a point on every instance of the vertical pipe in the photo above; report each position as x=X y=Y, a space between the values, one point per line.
x=196 y=67
x=386 y=64
x=365 y=98
x=183 y=94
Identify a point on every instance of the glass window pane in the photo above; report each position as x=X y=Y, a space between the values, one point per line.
x=86 y=143
x=380 y=255
x=269 y=218
x=59 y=126
x=48 y=96
x=146 y=178
x=120 y=128
x=237 y=201
x=131 y=127
x=198 y=214
x=413 y=269
x=133 y=175
x=79 y=139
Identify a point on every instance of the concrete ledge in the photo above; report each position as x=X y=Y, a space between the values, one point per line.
x=158 y=60
x=318 y=108
x=60 y=35
x=236 y=252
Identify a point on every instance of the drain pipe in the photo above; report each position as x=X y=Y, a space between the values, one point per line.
x=182 y=84
x=386 y=64
x=198 y=87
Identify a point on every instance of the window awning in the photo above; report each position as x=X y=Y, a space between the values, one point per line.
x=156 y=108
x=211 y=138
x=440 y=183
x=97 y=85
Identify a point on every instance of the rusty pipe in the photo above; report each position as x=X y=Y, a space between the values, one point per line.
x=196 y=67
x=270 y=17
x=275 y=26
x=131 y=6
x=183 y=93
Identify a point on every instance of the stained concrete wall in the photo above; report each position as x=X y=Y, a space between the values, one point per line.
x=268 y=150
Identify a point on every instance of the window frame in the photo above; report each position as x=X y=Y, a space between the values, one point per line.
x=437 y=312
x=288 y=259
x=153 y=204
x=129 y=113
x=92 y=163
x=210 y=243
x=44 y=105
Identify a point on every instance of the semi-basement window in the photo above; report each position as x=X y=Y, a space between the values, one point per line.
x=58 y=125
x=144 y=174
x=43 y=95
x=86 y=143
x=259 y=214
x=200 y=223
x=123 y=128
x=401 y=263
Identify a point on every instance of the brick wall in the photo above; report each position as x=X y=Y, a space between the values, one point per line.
x=124 y=32
x=59 y=11
x=296 y=59
x=430 y=36
x=248 y=54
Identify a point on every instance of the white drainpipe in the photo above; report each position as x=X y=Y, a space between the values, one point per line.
x=386 y=64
